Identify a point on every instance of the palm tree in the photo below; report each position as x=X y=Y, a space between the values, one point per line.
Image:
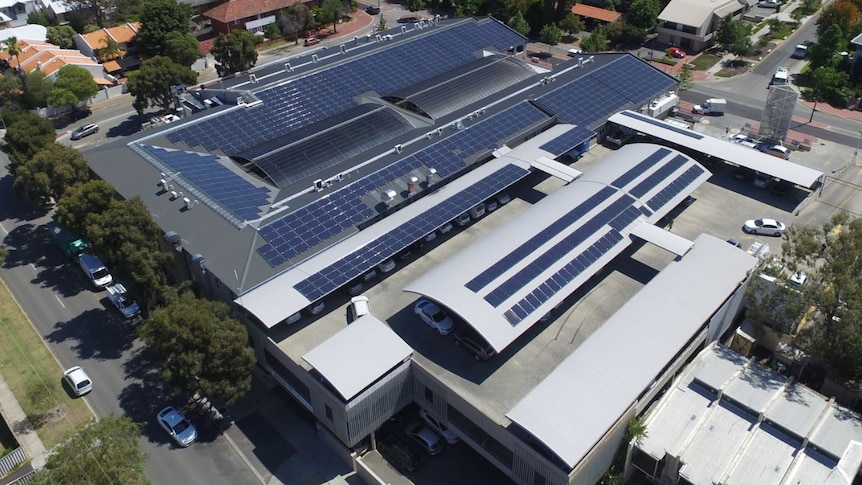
x=11 y=45
x=111 y=50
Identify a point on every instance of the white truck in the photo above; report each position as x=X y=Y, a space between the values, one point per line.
x=712 y=106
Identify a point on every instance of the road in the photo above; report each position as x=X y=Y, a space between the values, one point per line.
x=746 y=94
x=81 y=329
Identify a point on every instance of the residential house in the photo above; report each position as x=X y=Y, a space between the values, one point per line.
x=94 y=45
x=55 y=9
x=594 y=16
x=25 y=32
x=48 y=58
x=251 y=15
x=692 y=24
x=15 y=12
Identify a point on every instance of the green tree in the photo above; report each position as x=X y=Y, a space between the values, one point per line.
x=26 y=136
x=38 y=17
x=519 y=24
x=623 y=33
x=644 y=14
x=110 y=50
x=202 y=348
x=843 y=13
x=158 y=19
x=95 y=10
x=234 y=52
x=126 y=234
x=595 y=42
x=61 y=36
x=151 y=84
x=685 y=78
x=82 y=202
x=182 y=48
x=331 y=11
x=831 y=85
x=37 y=86
x=825 y=52
x=50 y=172
x=105 y=452
x=551 y=35
x=77 y=80
x=59 y=97
x=291 y=21
x=381 y=25
x=572 y=24
x=12 y=47
x=11 y=87
x=729 y=31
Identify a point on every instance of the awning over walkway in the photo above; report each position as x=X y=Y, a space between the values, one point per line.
x=722 y=149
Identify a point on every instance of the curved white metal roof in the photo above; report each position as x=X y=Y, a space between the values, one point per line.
x=506 y=282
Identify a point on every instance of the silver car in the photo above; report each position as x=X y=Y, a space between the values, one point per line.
x=177 y=426
x=85 y=130
x=433 y=316
x=78 y=380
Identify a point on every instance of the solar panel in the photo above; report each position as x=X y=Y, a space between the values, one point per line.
x=618 y=76
x=643 y=166
x=615 y=215
x=528 y=247
x=387 y=245
x=654 y=179
x=662 y=124
x=329 y=91
x=676 y=187
x=567 y=141
x=205 y=172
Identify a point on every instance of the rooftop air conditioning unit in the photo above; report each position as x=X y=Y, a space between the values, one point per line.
x=389 y=195
x=163 y=183
x=440 y=131
x=398 y=148
x=379 y=38
x=314 y=58
x=287 y=67
x=252 y=78
x=343 y=48
x=429 y=135
x=403 y=30
x=173 y=195
x=318 y=185
x=187 y=204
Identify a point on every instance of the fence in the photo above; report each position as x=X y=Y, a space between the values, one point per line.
x=12 y=460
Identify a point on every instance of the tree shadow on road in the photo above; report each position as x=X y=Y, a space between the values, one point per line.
x=29 y=244
x=98 y=334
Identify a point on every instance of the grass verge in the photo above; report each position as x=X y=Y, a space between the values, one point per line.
x=33 y=375
x=705 y=61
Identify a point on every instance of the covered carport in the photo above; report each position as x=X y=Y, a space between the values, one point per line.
x=799 y=175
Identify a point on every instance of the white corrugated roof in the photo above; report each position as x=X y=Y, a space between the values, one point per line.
x=448 y=282
x=694 y=13
x=722 y=149
x=355 y=357
x=573 y=408
x=663 y=238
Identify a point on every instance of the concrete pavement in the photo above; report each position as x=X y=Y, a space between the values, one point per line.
x=21 y=428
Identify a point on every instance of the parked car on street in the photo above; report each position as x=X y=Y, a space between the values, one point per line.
x=78 y=380
x=312 y=41
x=120 y=298
x=86 y=130
x=180 y=429
x=767 y=227
x=575 y=52
x=433 y=316
x=372 y=10
x=743 y=140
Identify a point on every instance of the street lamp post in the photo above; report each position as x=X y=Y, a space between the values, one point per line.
x=813 y=109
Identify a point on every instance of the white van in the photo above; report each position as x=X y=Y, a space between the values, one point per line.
x=95 y=270
x=780 y=77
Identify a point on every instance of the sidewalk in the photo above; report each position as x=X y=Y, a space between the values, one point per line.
x=17 y=421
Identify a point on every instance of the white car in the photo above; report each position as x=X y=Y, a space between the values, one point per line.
x=177 y=426
x=439 y=427
x=768 y=227
x=120 y=298
x=432 y=315
x=78 y=380
x=574 y=52
x=743 y=140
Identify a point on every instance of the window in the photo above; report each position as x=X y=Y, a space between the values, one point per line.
x=429 y=395
x=328 y=411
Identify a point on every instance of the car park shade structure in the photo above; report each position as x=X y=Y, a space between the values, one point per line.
x=734 y=153
x=506 y=282
x=568 y=141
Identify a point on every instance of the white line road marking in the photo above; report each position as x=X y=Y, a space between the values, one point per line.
x=5 y=232
x=59 y=301
x=33 y=268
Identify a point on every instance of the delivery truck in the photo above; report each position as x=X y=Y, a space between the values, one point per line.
x=711 y=107
x=69 y=243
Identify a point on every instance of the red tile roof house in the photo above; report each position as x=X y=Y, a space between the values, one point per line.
x=251 y=15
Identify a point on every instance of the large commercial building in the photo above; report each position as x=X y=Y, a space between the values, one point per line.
x=314 y=176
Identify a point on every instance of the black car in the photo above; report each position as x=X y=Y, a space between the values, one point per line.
x=400 y=453
x=477 y=346
x=81 y=113
x=372 y=10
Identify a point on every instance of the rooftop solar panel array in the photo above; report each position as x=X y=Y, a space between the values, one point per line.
x=642 y=167
x=666 y=194
x=528 y=247
x=567 y=141
x=588 y=100
x=323 y=93
x=618 y=215
x=205 y=172
x=334 y=145
x=448 y=155
x=654 y=179
x=291 y=235
x=386 y=246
